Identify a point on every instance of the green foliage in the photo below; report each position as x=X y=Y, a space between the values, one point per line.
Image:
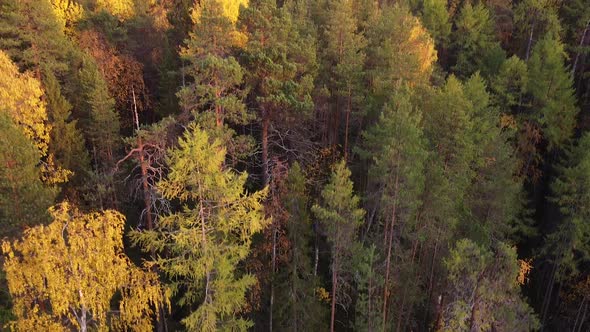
x=24 y=199
x=32 y=35
x=475 y=43
x=569 y=245
x=66 y=142
x=279 y=62
x=550 y=85
x=216 y=73
x=201 y=244
x=435 y=18
x=299 y=309
x=510 y=84
x=483 y=291
x=400 y=51
x=340 y=217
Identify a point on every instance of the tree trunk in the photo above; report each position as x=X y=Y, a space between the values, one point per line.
x=272 y=274
x=347 y=120
x=578 y=53
x=265 y=166
x=528 y=48
x=334 y=290
x=389 y=247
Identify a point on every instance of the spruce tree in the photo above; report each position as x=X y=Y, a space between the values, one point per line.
x=66 y=142
x=553 y=104
x=475 y=42
x=298 y=307
x=340 y=216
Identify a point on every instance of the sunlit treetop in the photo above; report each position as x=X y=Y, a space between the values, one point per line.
x=231 y=9
x=21 y=97
x=65 y=276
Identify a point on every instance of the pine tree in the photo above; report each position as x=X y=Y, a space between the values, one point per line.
x=344 y=59
x=400 y=52
x=398 y=149
x=216 y=73
x=340 y=216
x=66 y=274
x=550 y=85
x=203 y=242
x=24 y=199
x=280 y=63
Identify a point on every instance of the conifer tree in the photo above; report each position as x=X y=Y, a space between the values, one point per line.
x=494 y=195
x=202 y=243
x=344 y=59
x=568 y=246
x=400 y=52
x=550 y=85
x=484 y=293
x=66 y=142
x=340 y=216
x=32 y=35
x=298 y=307
x=216 y=73
x=65 y=275
x=435 y=18
x=475 y=43
x=24 y=198
x=280 y=63
x=398 y=149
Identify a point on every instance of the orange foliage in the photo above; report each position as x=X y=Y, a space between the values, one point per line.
x=124 y=74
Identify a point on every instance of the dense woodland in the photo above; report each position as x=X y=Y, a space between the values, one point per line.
x=300 y=165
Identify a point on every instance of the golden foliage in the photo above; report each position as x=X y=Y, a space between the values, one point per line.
x=525 y=269
x=64 y=275
x=21 y=97
x=231 y=9
x=67 y=12
x=123 y=9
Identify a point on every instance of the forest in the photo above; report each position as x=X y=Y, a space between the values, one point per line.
x=295 y=165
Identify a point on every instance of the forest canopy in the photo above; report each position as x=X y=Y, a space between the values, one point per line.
x=294 y=165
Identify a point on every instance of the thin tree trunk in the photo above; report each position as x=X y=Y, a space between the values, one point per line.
x=346 y=126
x=389 y=247
x=578 y=53
x=548 y=294
x=272 y=275
x=334 y=290
x=583 y=317
x=578 y=314
x=528 y=48
x=265 y=166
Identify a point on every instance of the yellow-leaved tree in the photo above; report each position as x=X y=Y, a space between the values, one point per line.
x=20 y=97
x=65 y=275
